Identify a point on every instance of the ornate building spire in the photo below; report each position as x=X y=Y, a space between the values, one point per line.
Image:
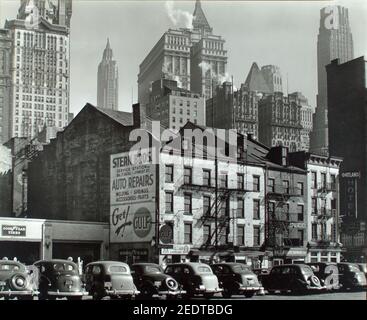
x=107 y=53
x=199 y=21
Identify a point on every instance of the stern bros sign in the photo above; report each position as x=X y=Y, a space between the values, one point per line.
x=133 y=193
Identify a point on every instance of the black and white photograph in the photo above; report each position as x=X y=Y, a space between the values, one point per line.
x=181 y=156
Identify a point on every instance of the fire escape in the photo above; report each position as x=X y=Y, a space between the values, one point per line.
x=279 y=217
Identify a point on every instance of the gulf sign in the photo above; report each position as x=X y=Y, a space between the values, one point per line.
x=132 y=197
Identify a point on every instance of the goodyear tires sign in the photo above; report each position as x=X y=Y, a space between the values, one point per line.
x=132 y=197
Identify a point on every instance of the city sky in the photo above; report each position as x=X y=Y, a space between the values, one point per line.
x=283 y=33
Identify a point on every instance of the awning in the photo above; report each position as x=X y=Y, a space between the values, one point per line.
x=247 y=253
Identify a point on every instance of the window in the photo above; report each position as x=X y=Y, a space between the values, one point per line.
x=206 y=177
x=224 y=208
x=314 y=231
x=333 y=182
x=240 y=208
x=187 y=175
x=169 y=173
x=169 y=202
x=323 y=179
x=206 y=234
x=314 y=205
x=240 y=181
x=286 y=211
x=188 y=233
x=256 y=235
x=286 y=186
x=300 y=188
x=300 y=212
x=271 y=185
x=188 y=203
x=206 y=205
x=256 y=208
x=271 y=207
x=256 y=183
x=314 y=180
x=240 y=235
x=223 y=181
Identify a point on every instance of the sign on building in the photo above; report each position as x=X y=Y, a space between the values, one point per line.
x=132 y=197
x=13 y=231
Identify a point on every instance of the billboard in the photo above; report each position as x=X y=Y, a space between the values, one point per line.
x=132 y=197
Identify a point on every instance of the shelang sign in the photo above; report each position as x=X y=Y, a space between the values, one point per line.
x=132 y=197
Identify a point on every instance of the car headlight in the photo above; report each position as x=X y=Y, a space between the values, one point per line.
x=19 y=282
x=201 y=287
x=108 y=284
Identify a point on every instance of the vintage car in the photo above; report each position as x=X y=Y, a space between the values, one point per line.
x=151 y=281
x=195 y=278
x=236 y=278
x=17 y=280
x=297 y=278
x=109 y=278
x=60 y=279
x=324 y=271
x=350 y=276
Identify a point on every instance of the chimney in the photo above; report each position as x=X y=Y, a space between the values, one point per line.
x=136 y=115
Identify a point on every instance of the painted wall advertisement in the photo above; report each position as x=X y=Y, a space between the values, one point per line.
x=133 y=197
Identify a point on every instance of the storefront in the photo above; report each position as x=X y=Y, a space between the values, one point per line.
x=29 y=240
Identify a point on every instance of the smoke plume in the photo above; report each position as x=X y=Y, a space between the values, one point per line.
x=179 y=17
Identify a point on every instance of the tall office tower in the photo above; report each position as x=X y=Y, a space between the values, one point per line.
x=229 y=109
x=273 y=77
x=40 y=68
x=306 y=119
x=195 y=58
x=5 y=56
x=280 y=121
x=347 y=96
x=334 y=41
x=107 y=83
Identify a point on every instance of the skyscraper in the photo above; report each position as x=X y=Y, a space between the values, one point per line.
x=334 y=41
x=107 y=86
x=194 y=57
x=40 y=68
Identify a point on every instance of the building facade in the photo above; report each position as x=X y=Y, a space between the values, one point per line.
x=280 y=121
x=40 y=69
x=107 y=80
x=229 y=109
x=347 y=92
x=334 y=41
x=323 y=186
x=5 y=83
x=174 y=106
x=195 y=58
x=69 y=179
x=307 y=112
x=272 y=77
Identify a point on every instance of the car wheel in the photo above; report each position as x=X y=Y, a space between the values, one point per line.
x=226 y=293
x=146 y=292
x=96 y=294
x=249 y=294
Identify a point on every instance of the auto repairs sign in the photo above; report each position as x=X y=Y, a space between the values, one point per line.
x=132 y=197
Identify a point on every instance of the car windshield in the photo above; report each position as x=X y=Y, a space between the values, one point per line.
x=203 y=269
x=118 y=269
x=152 y=269
x=63 y=267
x=241 y=268
x=9 y=267
x=363 y=267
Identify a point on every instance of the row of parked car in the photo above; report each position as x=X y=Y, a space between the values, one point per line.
x=60 y=278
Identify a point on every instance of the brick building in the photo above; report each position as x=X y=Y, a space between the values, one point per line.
x=69 y=180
